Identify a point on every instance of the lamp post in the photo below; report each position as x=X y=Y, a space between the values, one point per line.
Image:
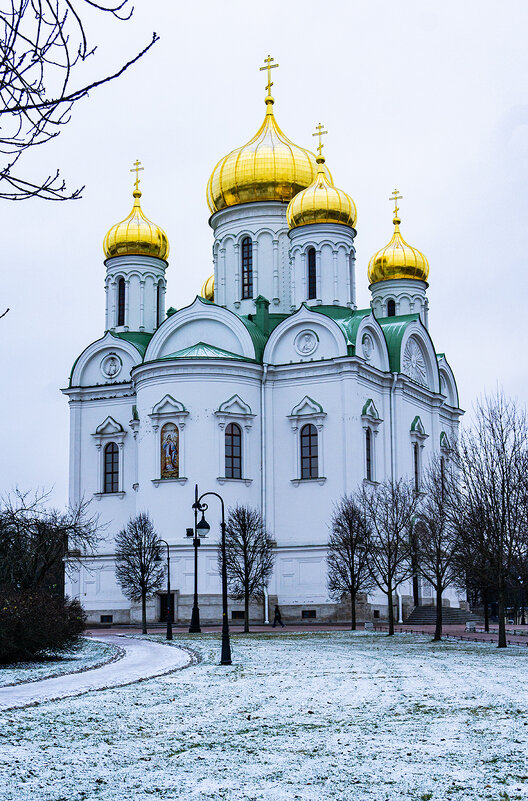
x=194 y=628
x=169 y=604
x=202 y=529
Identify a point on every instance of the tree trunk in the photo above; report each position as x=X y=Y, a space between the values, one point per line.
x=438 y=629
x=416 y=590
x=353 y=610
x=391 y=612
x=486 y=609
x=246 y=612
x=144 y=614
x=502 y=611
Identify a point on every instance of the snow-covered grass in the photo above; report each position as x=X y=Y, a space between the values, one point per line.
x=316 y=717
x=87 y=655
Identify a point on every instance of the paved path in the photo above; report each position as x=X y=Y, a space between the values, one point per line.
x=142 y=660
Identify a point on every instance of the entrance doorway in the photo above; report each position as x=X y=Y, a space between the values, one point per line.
x=163 y=607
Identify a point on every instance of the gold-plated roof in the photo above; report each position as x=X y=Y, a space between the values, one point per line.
x=136 y=235
x=269 y=167
x=398 y=259
x=207 y=290
x=321 y=202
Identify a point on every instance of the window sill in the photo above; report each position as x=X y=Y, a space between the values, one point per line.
x=179 y=480
x=224 y=480
x=370 y=483
x=297 y=481
x=100 y=495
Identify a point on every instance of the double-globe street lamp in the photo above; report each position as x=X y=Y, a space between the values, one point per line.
x=202 y=528
x=197 y=533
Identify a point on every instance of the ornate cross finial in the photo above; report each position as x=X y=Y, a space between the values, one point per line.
x=136 y=168
x=269 y=66
x=320 y=133
x=395 y=196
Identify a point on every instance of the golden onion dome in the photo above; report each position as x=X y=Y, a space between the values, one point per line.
x=321 y=202
x=398 y=259
x=207 y=291
x=136 y=235
x=269 y=167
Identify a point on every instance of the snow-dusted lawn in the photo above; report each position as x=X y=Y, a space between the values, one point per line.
x=298 y=716
x=89 y=654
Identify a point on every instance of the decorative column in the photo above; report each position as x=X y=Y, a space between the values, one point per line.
x=255 y=268
x=318 y=276
x=276 y=299
x=222 y=288
x=142 y=304
x=334 y=257
x=238 y=293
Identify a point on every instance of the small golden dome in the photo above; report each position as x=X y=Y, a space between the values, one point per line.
x=269 y=167
x=136 y=235
x=398 y=259
x=321 y=202
x=207 y=291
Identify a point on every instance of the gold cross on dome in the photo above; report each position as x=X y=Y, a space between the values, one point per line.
x=320 y=133
x=395 y=196
x=268 y=66
x=136 y=168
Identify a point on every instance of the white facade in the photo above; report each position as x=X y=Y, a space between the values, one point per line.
x=207 y=365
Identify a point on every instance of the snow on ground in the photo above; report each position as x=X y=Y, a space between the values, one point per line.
x=88 y=655
x=315 y=717
x=138 y=659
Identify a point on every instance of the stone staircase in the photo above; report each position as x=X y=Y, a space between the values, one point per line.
x=426 y=616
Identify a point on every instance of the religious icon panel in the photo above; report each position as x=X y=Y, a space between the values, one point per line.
x=169 y=451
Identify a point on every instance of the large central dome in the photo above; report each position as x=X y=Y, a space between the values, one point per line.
x=268 y=167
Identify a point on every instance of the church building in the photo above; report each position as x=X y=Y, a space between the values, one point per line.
x=271 y=388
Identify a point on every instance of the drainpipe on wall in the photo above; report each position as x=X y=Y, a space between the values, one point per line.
x=400 y=606
x=263 y=496
x=392 y=444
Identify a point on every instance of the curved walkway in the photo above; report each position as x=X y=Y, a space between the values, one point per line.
x=142 y=660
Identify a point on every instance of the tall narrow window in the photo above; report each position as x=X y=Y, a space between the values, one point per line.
x=309 y=452
x=416 y=456
x=158 y=304
x=111 y=468
x=247 y=268
x=121 y=301
x=391 y=308
x=170 y=451
x=368 y=453
x=233 y=451
x=312 y=275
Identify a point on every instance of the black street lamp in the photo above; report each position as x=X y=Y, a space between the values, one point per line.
x=202 y=529
x=169 y=604
x=198 y=533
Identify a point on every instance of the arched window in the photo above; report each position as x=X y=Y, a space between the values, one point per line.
x=111 y=468
x=368 y=454
x=312 y=275
x=416 y=458
x=391 y=308
x=121 y=301
x=309 y=455
x=233 y=451
x=170 y=451
x=247 y=268
x=158 y=304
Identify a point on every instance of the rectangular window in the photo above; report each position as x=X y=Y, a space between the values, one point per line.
x=107 y=618
x=309 y=452
x=237 y=614
x=233 y=451
x=111 y=468
x=308 y=613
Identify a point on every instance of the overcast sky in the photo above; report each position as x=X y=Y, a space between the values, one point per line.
x=427 y=97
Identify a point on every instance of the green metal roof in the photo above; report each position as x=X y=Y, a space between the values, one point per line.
x=202 y=350
x=139 y=339
x=393 y=331
x=347 y=319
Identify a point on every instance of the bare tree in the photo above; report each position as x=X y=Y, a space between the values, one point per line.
x=249 y=556
x=436 y=534
x=138 y=569
x=43 y=46
x=349 y=551
x=390 y=509
x=492 y=460
x=36 y=542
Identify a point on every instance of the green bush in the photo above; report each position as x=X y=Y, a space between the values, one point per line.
x=36 y=623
